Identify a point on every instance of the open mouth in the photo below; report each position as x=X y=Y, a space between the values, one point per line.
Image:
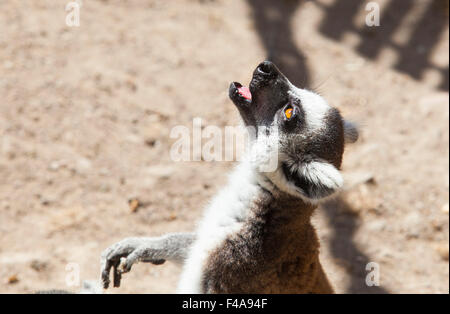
x=266 y=93
x=240 y=94
x=245 y=92
x=242 y=98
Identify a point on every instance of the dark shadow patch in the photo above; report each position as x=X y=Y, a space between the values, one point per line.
x=414 y=56
x=343 y=247
x=273 y=23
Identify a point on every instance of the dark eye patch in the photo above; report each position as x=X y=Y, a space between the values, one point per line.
x=292 y=117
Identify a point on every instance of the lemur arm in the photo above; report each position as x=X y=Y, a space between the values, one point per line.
x=123 y=254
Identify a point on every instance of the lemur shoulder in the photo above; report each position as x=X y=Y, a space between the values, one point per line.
x=256 y=235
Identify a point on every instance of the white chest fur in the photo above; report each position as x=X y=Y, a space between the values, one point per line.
x=223 y=217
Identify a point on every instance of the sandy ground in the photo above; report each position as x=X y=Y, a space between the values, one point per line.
x=86 y=114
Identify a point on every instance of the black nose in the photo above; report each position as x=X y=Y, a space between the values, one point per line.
x=266 y=68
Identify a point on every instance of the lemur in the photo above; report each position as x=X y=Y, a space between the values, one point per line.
x=256 y=235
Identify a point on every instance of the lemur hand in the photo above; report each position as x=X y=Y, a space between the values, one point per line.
x=122 y=255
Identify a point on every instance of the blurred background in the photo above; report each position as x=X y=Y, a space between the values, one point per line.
x=86 y=113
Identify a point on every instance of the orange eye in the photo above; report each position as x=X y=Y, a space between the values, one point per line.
x=288 y=113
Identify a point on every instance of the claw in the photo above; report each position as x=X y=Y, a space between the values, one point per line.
x=122 y=268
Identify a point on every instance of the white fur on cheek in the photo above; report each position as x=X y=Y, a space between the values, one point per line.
x=317 y=172
x=323 y=173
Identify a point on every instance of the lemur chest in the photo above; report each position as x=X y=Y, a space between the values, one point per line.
x=263 y=258
x=264 y=246
x=223 y=219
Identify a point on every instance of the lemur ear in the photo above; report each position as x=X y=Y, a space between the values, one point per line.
x=351 y=132
x=313 y=180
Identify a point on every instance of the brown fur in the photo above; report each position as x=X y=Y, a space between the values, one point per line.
x=276 y=251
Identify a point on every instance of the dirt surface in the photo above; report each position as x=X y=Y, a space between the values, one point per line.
x=86 y=114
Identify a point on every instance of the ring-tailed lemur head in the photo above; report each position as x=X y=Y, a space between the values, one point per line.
x=308 y=132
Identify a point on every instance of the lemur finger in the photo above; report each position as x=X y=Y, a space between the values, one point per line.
x=117 y=275
x=123 y=268
x=127 y=263
x=105 y=273
x=109 y=260
x=136 y=256
x=139 y=255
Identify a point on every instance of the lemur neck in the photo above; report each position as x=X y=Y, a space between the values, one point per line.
x=255 y=194
x=281 y=203
x=280 y=208
x=268 y=209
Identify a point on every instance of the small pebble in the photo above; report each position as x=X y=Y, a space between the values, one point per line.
x=172 y=216
x=12 y=279
x=134 y=204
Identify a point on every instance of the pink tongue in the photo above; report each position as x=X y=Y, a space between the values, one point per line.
x=245 y=92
